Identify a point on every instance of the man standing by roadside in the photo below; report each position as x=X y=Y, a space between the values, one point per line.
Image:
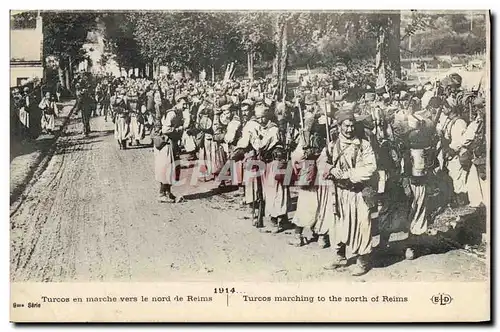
x=84 y=104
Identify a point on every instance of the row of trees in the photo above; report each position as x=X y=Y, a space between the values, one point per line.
x=210 y=40
x=280 y=40
x=274 y=41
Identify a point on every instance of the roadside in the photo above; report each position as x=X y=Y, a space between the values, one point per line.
x=27 y=155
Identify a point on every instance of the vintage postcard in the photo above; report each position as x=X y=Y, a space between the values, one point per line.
x=250 y=166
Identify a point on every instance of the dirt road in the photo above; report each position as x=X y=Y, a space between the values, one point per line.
x=93 y=216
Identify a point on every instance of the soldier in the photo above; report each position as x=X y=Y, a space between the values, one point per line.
x=99 y=97
x=418 y=165
x=15 y=105
x=84 y=103
x=475 y=141
x=233 y=134
x=351 y=163
x=136 y=119
x=106 y=99
x=452 y=127
x=311 y=142
x=246 y=151
x=188 y=135
x=122 y=124
x=205 y=138
x=218 y=156
x=168 y=131
x=272 y=152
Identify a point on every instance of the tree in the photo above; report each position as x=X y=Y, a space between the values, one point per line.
x=387 y=27
x=120 y=41
x=254 y=30
x=188 y=40
x=64 y=35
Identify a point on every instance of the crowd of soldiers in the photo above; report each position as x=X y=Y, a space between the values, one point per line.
x=34 y=108
x=351 y=150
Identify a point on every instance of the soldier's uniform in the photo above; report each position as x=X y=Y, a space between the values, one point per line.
x=475 y=141
x=308 y=213
x=136 y=119
x=122 y=124
x=276 y=190
x=418 y=165
x=84 y=104
x=166 y=152
x=351 y=162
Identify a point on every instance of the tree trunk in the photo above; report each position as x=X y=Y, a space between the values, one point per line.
x=213 y=74
x=150 y=70
x=283 y=62
x=66 y=77
x=250 y=56
x=70 y=72
x=281 y=56
x=394 y=45
x=388 y=59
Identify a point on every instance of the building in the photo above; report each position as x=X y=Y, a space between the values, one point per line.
x=26 y=47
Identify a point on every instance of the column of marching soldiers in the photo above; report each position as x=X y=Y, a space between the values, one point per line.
x=400 y=153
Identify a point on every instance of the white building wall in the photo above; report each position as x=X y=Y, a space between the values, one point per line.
x=28 y=72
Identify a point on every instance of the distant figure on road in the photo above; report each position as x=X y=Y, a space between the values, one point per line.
x=84 y=104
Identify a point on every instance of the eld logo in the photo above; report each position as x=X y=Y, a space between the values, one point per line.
x=441 y=299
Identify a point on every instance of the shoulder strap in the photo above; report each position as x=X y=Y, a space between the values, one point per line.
x=450 y=125
x=357 y=148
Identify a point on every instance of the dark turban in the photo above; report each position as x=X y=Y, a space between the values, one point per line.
x=345 y=115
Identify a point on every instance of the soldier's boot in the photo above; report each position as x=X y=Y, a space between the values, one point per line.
x=323 y=241
x=462 y=199
x=124 y=144
x=336 y=261
x=298 y=239
x=162 y=197
x=274 y=222
x=410 y=251
x=279 y=225
x=169 y=194
x=410 y=254
x=362 y=266
x=384 y=241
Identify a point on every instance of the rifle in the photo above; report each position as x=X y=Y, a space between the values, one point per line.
x=300 y=115
x=253 y=204
x=260 y=198
x=328 y=138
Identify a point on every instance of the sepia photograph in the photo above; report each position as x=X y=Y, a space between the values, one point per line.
x=155 y=146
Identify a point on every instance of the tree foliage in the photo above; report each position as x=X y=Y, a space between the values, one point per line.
x=119 y=39
x=65 y=33
x=204 y=40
